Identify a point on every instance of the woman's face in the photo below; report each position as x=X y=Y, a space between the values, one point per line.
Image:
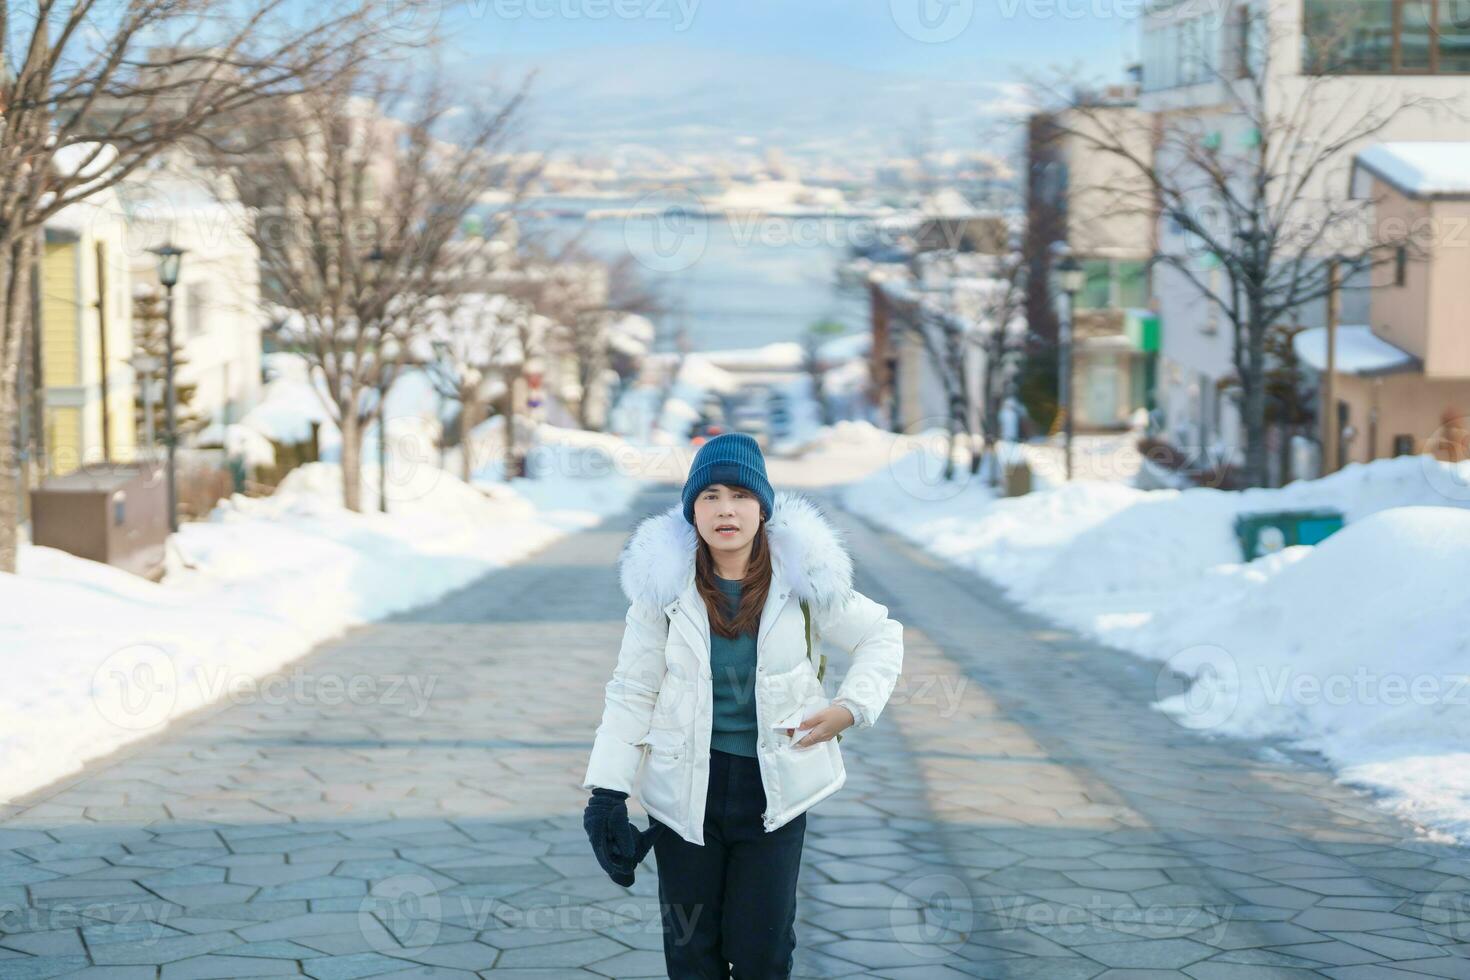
x=720 y=508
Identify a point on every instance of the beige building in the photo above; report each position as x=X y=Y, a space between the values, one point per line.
x=1403 y=379
x=1101 y=208
x=1327 y=64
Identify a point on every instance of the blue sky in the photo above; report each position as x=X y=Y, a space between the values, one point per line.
x=820 y=79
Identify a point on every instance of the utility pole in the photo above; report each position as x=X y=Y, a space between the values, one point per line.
x=102 y=349
x=1328 y=397
x=1070 y=278
x=38 y=456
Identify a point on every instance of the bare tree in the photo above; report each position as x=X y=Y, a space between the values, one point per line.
x=1003 y=337
x=985 y=317
x=583 y=297
x=85 y=101
x=355 y=209
x=476 y=340
x=1256 y=189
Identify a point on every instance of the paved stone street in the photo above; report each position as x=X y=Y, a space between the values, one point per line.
x=411 y=808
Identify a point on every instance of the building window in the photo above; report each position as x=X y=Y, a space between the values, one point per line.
x=1403 y=445
x=196 y=307
x=1415 y=37
x=1097 y=294
x=1400 y=265
x=1113 y=284
x=1180 y=52
x=1452 y=29
x=1132 y=285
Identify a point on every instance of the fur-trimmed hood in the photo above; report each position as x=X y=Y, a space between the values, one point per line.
x=807 y=554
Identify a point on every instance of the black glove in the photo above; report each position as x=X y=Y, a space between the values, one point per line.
x=619 y=847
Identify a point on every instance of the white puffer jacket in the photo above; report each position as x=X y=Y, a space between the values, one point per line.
x=654 y=739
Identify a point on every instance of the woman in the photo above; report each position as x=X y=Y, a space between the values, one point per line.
x=715 y=715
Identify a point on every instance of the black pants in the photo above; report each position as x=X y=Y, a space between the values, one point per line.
x=731 y=902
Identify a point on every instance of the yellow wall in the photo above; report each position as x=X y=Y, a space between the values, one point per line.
x=69 y=321
x=63 y=436
x=61 y=360
x=124 y=425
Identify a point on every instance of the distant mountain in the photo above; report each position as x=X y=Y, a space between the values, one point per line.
x=680 y=100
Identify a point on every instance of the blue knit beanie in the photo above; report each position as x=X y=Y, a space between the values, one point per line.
x=732 y=458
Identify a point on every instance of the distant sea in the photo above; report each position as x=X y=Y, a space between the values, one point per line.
x=730 y=282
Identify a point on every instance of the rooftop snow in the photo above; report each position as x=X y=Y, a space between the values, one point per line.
x=1417 y=168
x=1359 y=351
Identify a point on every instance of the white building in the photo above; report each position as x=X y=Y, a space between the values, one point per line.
x=1366 y=55
x=947 y=302
x=217 y=314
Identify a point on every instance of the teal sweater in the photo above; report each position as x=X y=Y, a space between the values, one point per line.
x=732 y=668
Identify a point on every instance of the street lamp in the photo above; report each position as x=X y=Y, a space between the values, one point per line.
x=170 y=257
x=1070 y=279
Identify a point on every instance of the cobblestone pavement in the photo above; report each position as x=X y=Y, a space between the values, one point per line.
x=408 y=806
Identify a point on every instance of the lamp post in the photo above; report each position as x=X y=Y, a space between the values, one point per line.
x=169 y=259
x=1070 y=278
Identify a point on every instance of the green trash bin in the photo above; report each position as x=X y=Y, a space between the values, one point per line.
x=1268 y=531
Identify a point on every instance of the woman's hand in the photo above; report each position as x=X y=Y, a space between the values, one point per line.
x=823 y=725
x=616 y=843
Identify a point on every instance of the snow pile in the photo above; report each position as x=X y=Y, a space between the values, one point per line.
x=1355 y=648
x=1358 y=648
x=631 y=334
x=698 y=379
x=289 y=402
x=784 y=355
x=99 y=657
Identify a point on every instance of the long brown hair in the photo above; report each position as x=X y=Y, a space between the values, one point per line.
x=753 y=587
